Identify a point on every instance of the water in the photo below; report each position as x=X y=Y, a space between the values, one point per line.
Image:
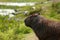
x=9 y=11
x=17 y=4
x=5 y=12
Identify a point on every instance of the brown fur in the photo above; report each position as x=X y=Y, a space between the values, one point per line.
x=45 y=29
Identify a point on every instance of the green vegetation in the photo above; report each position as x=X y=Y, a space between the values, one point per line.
x=14 y=28
x=22 y=0
x=8 y=7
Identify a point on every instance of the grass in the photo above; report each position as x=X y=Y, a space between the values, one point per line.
x=22 y=0
x=14 y=28
x=8 y=7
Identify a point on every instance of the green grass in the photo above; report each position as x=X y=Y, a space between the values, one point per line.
x=13 y=29
x=8 y=7
x=21 y=0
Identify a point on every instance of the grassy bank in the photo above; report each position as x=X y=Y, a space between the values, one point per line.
x=14 y=28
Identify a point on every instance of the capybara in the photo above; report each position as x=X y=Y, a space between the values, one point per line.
x=45 y=29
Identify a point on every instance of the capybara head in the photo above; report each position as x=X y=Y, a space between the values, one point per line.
x=31 y=20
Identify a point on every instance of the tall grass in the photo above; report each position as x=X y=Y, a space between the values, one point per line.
x=12 y=29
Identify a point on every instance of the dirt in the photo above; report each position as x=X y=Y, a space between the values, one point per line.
x=30 y=36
